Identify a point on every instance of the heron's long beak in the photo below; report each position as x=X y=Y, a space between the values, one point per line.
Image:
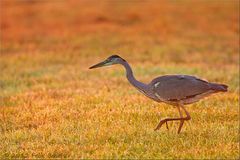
x=101 y=64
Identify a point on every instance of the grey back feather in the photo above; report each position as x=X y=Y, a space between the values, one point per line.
x=177 y=87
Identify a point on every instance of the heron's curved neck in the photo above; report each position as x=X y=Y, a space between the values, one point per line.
x=139 y=85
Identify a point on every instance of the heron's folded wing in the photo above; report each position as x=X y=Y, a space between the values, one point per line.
x=177 y=87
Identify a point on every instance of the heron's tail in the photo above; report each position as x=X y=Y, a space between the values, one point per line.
x=219 y=87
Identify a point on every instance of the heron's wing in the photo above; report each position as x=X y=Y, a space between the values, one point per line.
x=177 y=87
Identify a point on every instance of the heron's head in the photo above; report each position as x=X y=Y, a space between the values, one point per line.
x=114 y=59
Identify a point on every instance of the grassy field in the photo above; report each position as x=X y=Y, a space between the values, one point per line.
x=53 y=106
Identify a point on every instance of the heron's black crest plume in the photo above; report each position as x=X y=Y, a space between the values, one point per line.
x=116 y=56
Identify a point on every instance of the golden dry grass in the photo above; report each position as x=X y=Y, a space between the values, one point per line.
x=52 y=106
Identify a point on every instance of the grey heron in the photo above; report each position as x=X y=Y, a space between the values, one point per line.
x=176 y=90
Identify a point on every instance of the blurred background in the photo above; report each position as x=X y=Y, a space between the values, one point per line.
x=45 y=85
x=141 y=27
x=146 y=32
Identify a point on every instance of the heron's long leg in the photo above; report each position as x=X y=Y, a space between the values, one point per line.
x=181 y=122
x=188 y=117
x=182 y=119
x=169 y=119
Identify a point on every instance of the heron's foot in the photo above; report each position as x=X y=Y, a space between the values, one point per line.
x=167 y=125
x=161 y=123
x=172 y=119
